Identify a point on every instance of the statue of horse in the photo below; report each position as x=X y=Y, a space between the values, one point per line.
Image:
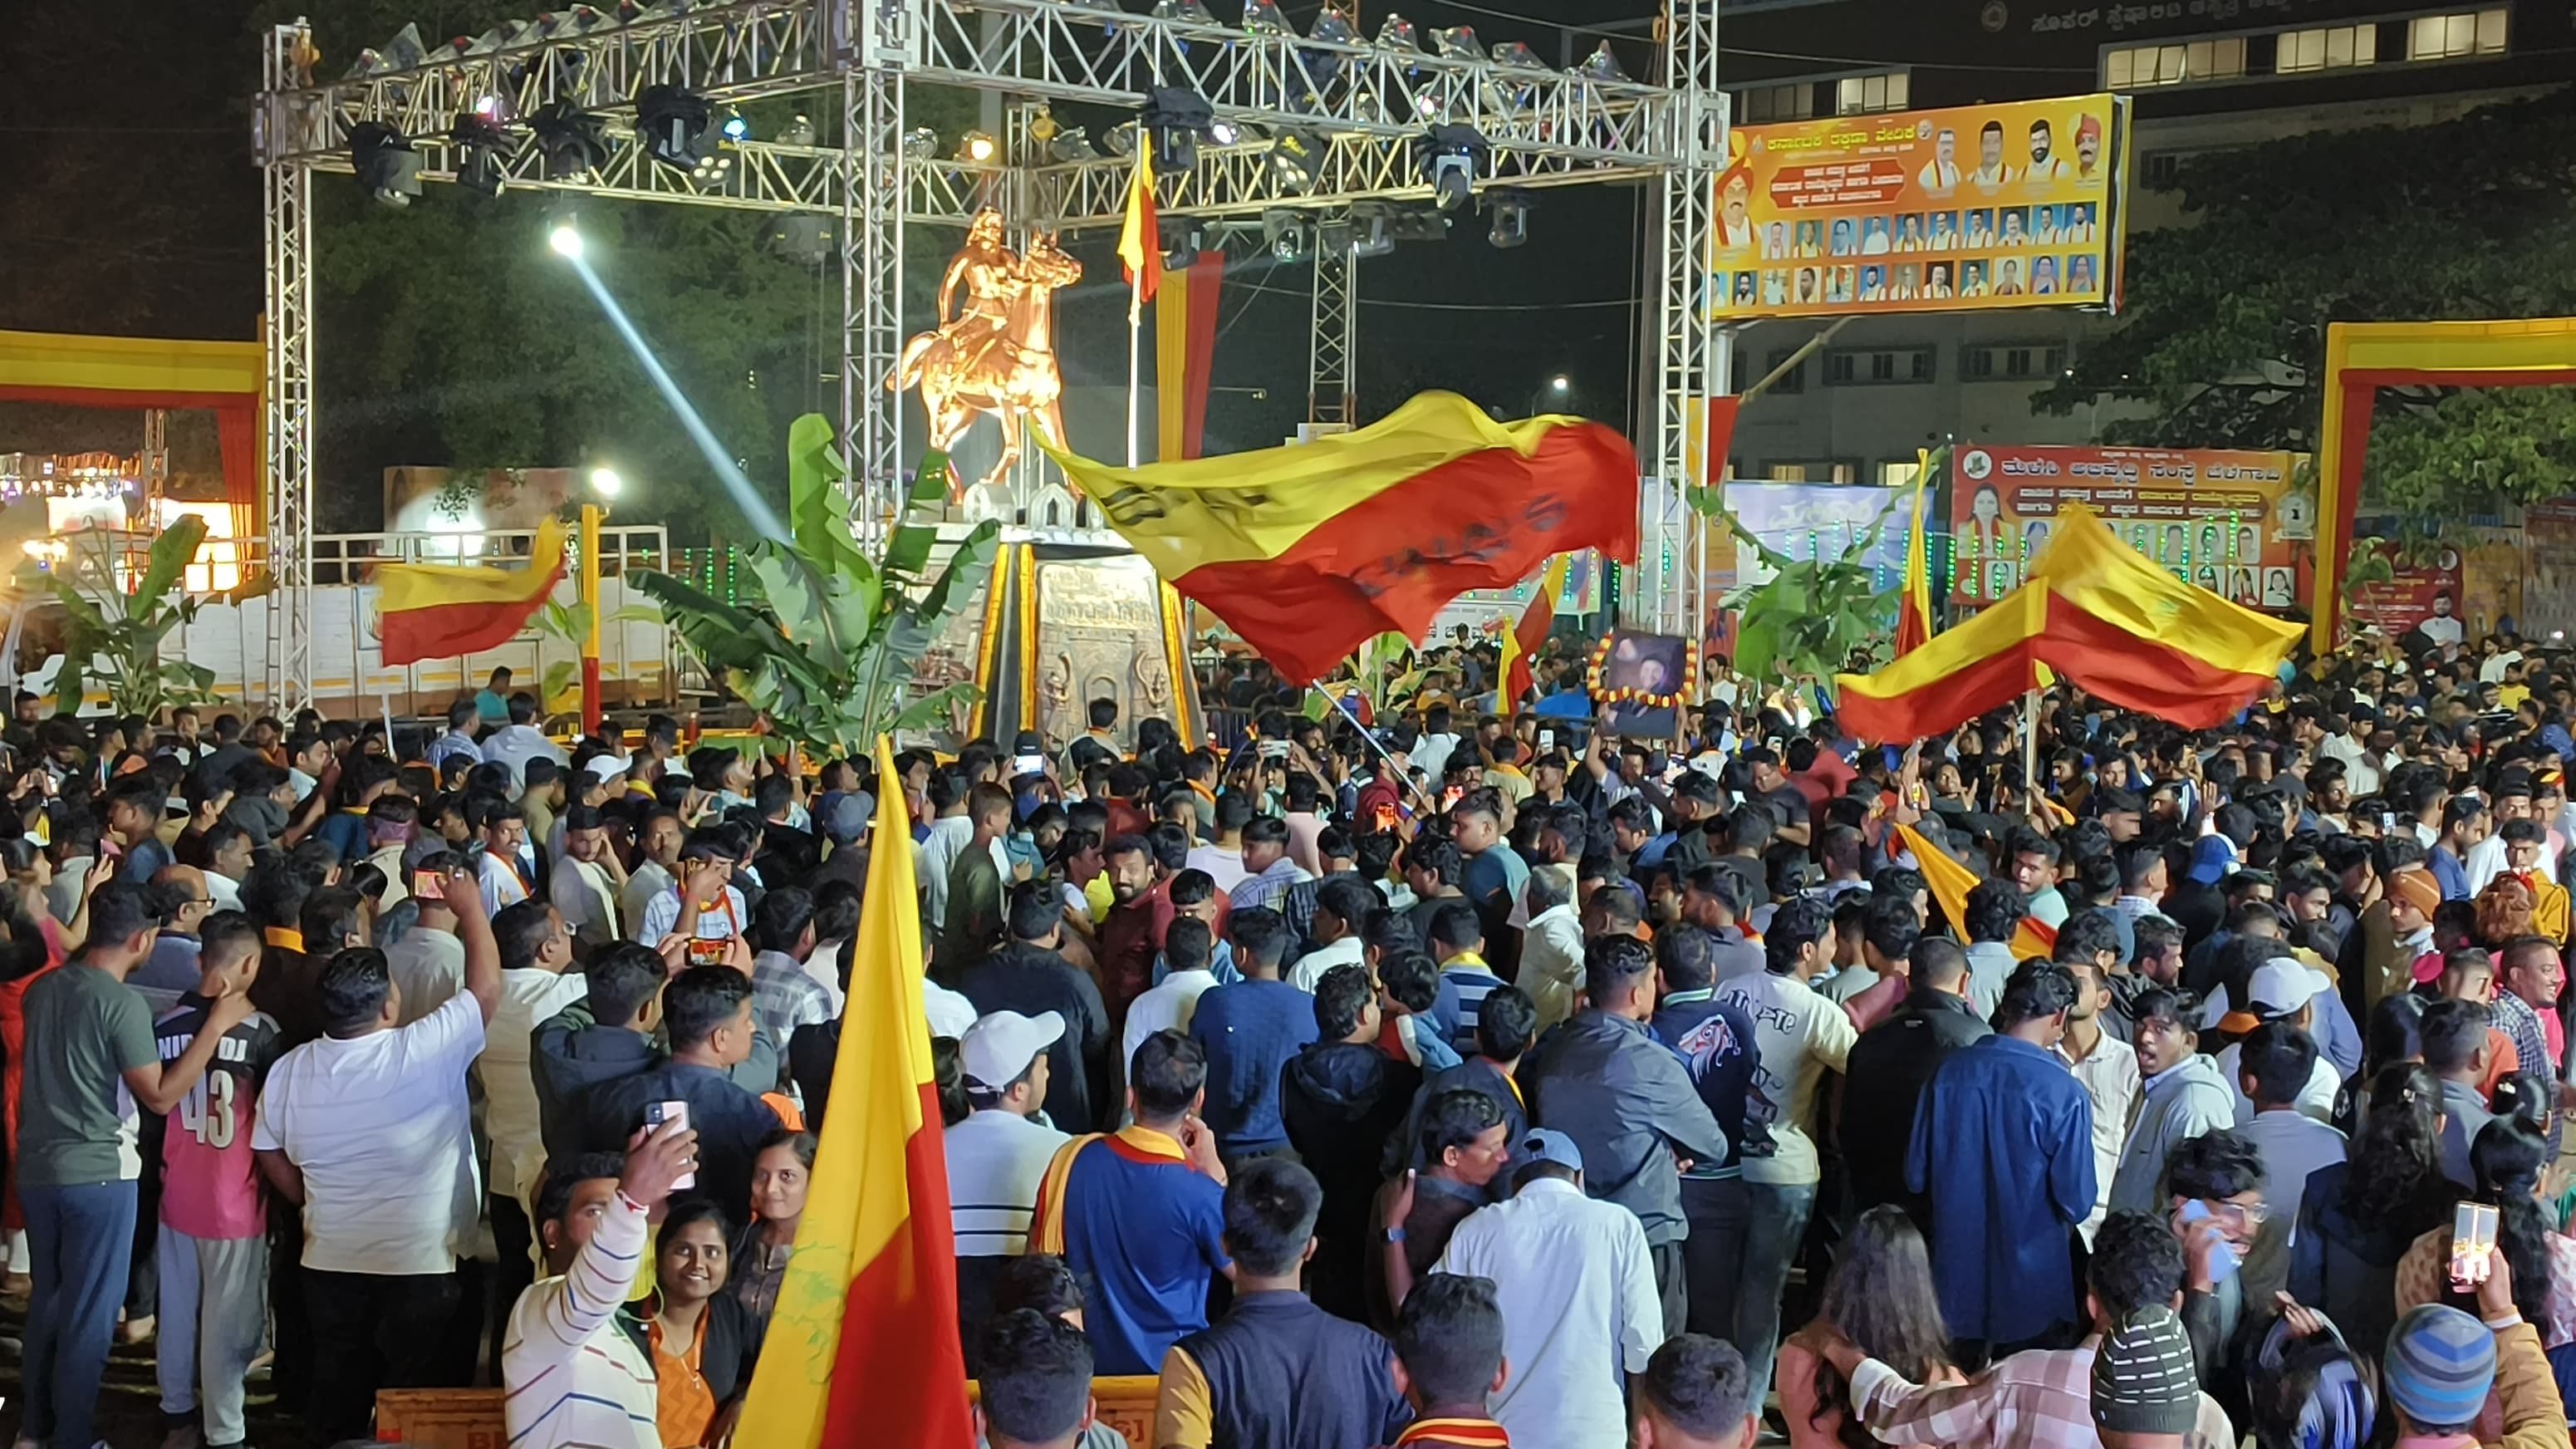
x=995 y=353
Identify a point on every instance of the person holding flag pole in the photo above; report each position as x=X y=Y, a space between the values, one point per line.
x=1140 y=257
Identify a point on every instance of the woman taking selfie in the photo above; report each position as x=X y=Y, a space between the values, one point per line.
x=693 y=1332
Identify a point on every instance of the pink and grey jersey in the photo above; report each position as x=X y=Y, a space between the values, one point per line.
x=209 y=1183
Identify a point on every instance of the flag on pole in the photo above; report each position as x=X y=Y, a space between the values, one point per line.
x=1140 y=237
x=439 y=611
x=1949 y=882
x=863 y=1345
x=1527 y=635
x=1914 y=606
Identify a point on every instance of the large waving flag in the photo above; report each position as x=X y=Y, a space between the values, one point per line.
x=2100 y=615
x=1949 y=882
x=439 y=611
x=1312 y=549
x=1914 y=605
x=1527 y=635
x=863 y=1347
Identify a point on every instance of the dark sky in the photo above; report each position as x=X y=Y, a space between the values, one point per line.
x=132 y=207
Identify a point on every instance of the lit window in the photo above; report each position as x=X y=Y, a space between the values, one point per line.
x=2462 y=33
x=1899 y=475
x=1858 y=95
x=2328 y=48
x=2176 y=64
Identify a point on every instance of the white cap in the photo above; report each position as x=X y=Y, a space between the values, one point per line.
x=2282 y=985
x=999 y=1047
x=606 y=767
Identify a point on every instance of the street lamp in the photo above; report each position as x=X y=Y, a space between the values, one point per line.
x=606 y=483
x=1557 y=390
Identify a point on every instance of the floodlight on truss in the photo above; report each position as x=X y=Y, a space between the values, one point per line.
x=1420 y=224
x=1510 y=207
x=1512 y=55
x=1373 y=231
x=673 y=124
x=798 y=132
x=801 y=237
x=978 y=147
x=1335 y=236
x=1334 y=26
x=1297 y=160
x=920 y=143
x=570 y=140
x=482 y=149
x=386 y=164
x=1285 y=231
x=1182 y=239
x=736 y=127
x=1603 y=65
x=1458 y=42
x=1453 y=158
x=1188 y=11
x=1178 y=119
x=1262 y=17
x=1121 y=139
x=1398 y=33
x=403 y=52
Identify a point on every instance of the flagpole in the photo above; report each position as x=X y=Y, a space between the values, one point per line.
x=2030 y=749
x=1135 y=333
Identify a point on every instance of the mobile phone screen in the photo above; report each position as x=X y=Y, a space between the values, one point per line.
x=428 y=885
x=657 y=1113
x=1386 y=817
x=2473 y=1233
x=1028 y=765
x=704 y=952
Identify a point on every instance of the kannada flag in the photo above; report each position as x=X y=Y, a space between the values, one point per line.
x=1914 y=605
x=2100 y=615
x=439 y=611
x=1140 y=237
x=1527 y=636
x=1312 y=549
x=863 y=1347
x=1949 y=882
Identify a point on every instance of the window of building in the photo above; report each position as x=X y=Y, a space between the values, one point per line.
x=2013 y=362
x=2329 y=48
x=2460 y=33
x=1792 y=381
x=1861 y=367
x=1895 y=474
x=1860 y=95
x=2181 y=62
x=1765 y=104
x=1812 y=470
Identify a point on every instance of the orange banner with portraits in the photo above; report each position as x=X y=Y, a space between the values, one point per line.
x=1978 y=207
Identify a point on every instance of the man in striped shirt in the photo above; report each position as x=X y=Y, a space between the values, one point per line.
x=574 y=1379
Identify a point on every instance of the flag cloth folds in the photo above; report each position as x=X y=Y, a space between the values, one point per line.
x=439 y=611
x=1914 y=605
x=1312 y=549
x=1185 y=354
x=1949 y=882
x=2100 y=615
x=863 y=1347
x=1140 y=237
x=1527 y=635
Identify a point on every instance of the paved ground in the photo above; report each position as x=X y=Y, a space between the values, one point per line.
x=129 y=1407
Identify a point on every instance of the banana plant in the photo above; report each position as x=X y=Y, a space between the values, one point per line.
x=114 y=638
x=1812 y=616
x=824 y=640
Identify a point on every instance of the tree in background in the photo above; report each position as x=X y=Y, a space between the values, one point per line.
x=2224 y=335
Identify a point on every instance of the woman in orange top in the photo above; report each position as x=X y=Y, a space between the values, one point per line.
x=1880 y=1297
x=692 y=1331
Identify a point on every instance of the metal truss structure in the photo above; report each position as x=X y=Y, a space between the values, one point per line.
x=1372 y=103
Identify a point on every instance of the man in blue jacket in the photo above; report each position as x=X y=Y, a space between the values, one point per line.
x=1715 y=1041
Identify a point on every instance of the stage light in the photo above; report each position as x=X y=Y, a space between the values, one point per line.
x=570 y=141
x=1121 y=139
x=978 y=147
x=386 y=164
x=1183 y=238
x=563 y=235
x=1297 y=160
x=1511 y=209
x=1262 y=17
x=1452 y=158
x=606 y=483
x=1419 y=224
x=736 y=127
x=1337 y=236
x=491 y=108
x=1286 y=233
x=1177 y=119
x=802 y=238
x=673 y=125
x=1397 y=33
x=798 y=132
x=1512 y=55
x=402 y=52
x=1458 y=42
x=920 y=144
x=1070 y=144
x=1602 y=65
x=1334 y=27
x=1189 y=11
x=1224 y=133
x=481 y=144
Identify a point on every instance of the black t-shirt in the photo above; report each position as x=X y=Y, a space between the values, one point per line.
x=1788 y=806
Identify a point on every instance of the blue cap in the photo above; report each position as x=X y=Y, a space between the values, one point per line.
x=2439 y=1365
x=1543 y=1145
x=2212 y=856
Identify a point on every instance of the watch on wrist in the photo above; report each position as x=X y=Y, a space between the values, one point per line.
x=1394 y=1235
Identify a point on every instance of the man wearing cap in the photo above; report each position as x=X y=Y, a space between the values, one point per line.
x=1577 y=1287
x=1028 y=976
x=999 y=1154
x=2282 y=991
x=844 y=823
x=2145 y=1393
x=2441 y=1367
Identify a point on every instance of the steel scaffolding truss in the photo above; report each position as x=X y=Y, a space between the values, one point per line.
x=1692 y=358
x=1333 y=341
x=1372 y=104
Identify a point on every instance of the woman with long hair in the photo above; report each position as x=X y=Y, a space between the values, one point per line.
x=2394 y=1035
x=2358 y=1217
x=782 y=1168
x=691 y=1330
x=1880 y=1297
x=32 y=943
x=2507 y=1159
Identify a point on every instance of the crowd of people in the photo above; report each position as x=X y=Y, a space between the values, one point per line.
x=1469 y=1078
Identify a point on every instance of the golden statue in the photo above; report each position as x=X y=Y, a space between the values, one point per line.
x=994 y=349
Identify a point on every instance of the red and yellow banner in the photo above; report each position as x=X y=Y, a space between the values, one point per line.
x=1311 y=549
x=2227 y=520
x=2100 y=615
x=439 y=611
x=1528 y=635
x=1185 y=353
x=2016 y=205
x=863 y=1347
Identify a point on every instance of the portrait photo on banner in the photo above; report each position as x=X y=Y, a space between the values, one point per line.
x=1643 y=680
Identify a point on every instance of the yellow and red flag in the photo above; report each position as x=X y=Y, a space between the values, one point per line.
x=862 y=1347
x=1949 y=882
x=1140 y=237
x=2100 y=615
x=439 y=611
x=1527 y=636
x=1312 y=549
x=1914 y=606
x=1185 y=353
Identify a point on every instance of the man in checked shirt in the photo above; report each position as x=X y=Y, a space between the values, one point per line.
x=2036 y=1399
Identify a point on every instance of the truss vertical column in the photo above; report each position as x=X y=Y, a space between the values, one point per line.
x=873 y=62
x=287 y=190
x=1333 y=344
x=1692 y=362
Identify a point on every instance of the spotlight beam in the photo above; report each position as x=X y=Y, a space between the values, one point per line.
x=754 y=511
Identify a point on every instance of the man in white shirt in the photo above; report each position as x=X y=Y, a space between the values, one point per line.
x=1189 y=949
x=2273 y=1069
x=658 y=842
x=587 y=880
x=367 y=1129
x=1551 y=969
x=2518 y=842
x=2281 y=991
x=505 y=834
x=536 y=951
x=1342 y=909
x=999 y=1154
x=2105 y=1065
x=1223 y=861
x=703 y=904
x=1577 y=1287
x=428 y=962
x=519 y=741
x=573 y=1377
x=2362 y=766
